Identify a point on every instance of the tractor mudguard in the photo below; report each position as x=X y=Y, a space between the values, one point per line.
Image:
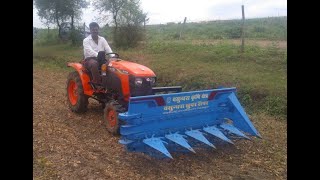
x=85 y=79
x=157 y=124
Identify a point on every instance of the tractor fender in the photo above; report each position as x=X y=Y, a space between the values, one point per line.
x=85 y=79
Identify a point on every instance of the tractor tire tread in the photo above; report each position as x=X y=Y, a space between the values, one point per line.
x=82 y=103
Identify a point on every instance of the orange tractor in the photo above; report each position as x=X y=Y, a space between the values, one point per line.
x=121 y=79
x=151 y=119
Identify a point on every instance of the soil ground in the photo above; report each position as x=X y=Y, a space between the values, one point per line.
x=77 y=146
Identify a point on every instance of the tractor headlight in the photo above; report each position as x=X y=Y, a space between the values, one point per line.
x=152 y=80
x=138 y=81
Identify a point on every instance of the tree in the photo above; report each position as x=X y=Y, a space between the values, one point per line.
x=73 y=9
x=51 y=12
x=131 y=14
x=128 y=19
x=74 y=12
x=131 y=25
x=112 y=6
x=58 y=11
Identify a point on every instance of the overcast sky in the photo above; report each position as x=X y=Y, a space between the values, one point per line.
x=163 y=11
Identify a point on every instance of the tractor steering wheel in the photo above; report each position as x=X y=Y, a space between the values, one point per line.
x=116 y=55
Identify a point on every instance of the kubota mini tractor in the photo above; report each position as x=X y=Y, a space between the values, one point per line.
x=148 y=117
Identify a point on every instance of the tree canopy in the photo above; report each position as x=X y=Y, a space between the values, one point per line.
x=128 y=19
x=58 y=11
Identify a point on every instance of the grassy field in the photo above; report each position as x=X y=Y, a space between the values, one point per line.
x=260 y=74
x=273 y=28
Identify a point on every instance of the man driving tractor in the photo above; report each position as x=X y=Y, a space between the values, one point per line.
x=94 y=48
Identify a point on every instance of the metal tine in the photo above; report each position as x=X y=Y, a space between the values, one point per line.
x=216 y=132
x=157 y=144
x=199 y=136
x=233 y=130
x=178 y=138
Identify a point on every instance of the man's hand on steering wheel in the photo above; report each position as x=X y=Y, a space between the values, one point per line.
x=116 y=55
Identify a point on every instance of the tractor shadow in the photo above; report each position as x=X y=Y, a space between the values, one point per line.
x=183 y=163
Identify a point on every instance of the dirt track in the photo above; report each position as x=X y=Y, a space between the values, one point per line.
x=76 y=146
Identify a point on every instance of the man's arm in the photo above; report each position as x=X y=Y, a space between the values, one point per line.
x=107 y=48
x=88 y=51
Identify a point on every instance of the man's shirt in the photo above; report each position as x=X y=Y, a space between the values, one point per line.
x=91 y=49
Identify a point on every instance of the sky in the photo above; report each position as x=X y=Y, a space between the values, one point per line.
x=163 y=11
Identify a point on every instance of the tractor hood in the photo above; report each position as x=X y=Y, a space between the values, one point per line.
x=132 y=68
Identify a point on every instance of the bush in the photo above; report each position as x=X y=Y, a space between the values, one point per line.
x=276 y=106
x=77 y=36
x=259 y=29
x=46 y=37
x=234 y=32
x=129 y=29
x=128 y=36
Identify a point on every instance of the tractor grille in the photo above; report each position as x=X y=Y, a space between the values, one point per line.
x=144 y=89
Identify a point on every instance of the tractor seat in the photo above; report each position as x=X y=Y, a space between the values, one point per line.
x=86 y=70
x=93 y=85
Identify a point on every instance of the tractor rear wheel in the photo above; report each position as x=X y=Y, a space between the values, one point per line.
x=77 y=100
x=110 y=117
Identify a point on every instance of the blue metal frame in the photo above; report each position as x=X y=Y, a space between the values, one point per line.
x=158 y=123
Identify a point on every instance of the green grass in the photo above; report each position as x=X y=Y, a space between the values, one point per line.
x=259 y=73
x=273 y=28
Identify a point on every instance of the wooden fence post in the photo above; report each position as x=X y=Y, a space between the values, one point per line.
x=184 y=22
x=242 y=30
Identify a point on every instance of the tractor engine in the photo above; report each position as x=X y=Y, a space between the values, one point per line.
x=129 y=79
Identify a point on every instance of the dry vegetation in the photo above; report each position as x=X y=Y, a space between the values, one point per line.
x=77 y=146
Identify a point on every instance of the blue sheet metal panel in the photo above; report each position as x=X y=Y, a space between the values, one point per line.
x=155 y=103
x=173 y=124
x=157 y=119
x=179 y=112
x=167 y=115
x=240 y=118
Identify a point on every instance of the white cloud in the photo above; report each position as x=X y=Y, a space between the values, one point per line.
x=163 y=11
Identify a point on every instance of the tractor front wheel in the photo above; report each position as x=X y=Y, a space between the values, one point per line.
x=110 y=117
x=77 y=100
